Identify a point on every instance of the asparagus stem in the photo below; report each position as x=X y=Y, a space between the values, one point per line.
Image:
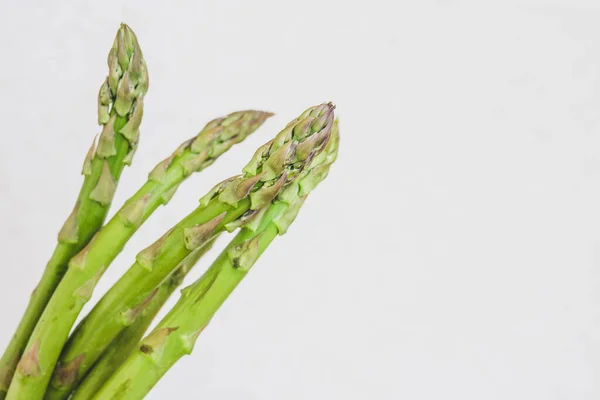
x=229 y=205
x=120 y=108
x=127 y=340
x=177 y=333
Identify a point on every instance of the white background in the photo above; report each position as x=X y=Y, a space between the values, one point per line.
x=453 y=252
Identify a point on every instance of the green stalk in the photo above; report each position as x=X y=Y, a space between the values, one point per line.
x=228 y=206
x=127 y=340
x=177 y=333
x=120 y=109
x=87 y=267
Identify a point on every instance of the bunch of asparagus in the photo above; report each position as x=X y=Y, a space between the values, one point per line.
x=107 y=355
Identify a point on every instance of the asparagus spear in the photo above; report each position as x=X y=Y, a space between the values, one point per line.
x=120 y=108
x=177 y=333
x=87 y=267
x=229 y=205
x=121 y=347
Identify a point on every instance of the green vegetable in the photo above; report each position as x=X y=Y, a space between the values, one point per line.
x=177 y=333
x=229 y=205
x=87 y=267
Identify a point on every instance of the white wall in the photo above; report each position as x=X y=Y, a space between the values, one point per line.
x=454 y=251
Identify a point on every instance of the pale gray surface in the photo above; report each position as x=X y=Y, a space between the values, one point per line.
x=453 y=252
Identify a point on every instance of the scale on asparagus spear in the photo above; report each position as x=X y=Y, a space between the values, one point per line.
x=42 y=361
